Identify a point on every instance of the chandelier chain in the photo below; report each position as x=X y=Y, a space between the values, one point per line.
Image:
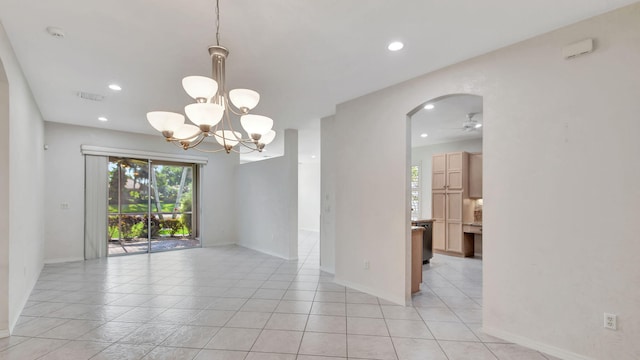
x=218 y=22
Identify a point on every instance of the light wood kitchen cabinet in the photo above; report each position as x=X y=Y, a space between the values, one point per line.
x=457 y=170
x=448 y=215
x=439 y=172
x=438 y=209
x=416 y=258
x=451 y=206
x=450 y=171
x=475 y=176
x=454 y=221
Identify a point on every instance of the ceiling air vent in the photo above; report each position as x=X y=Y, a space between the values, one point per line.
x=90 y=96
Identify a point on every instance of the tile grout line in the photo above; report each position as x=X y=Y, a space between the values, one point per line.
x=458 y=316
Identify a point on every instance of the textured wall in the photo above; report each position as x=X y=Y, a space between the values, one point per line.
x=561 y=188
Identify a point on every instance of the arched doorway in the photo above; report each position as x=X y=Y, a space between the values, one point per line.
x=446 y=194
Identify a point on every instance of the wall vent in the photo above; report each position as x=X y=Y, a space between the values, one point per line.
x=90 y=96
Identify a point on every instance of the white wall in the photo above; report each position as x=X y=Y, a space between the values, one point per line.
x=267 y=195
x=4 y=203
x=309 y=196
x=327 y=195
x=65 y=184
x=26 y=184
x=561 y=175
x=422 y=156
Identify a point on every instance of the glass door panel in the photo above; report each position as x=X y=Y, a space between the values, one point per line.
x=172 y=201
x=128 y=205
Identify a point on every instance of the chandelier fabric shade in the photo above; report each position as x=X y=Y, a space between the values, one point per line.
x=213 y=109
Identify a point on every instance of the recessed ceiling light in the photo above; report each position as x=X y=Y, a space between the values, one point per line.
x=478 y=126
x=102 y=118
x=429 y=106
x=115 y=87
x=424 y=135
x=395 y=46
x=313 y=156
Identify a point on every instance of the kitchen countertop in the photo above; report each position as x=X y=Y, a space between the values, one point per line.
x=417 y=228
x=421 y=221
x=473 y=224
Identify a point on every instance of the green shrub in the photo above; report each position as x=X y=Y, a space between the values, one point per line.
x=156 y=225
x=113 y=229
x=127 y=223
x=174 y=226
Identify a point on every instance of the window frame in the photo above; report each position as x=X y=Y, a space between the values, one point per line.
x=415 y=213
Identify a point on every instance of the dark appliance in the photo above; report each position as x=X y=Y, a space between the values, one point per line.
x=427 y=239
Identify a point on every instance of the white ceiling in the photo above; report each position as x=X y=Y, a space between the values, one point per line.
x=304 y=57
x=444 y=122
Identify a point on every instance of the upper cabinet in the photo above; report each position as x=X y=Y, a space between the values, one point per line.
x=475 y=176
x=439 y=172
x=449 y=171
x=457 y=164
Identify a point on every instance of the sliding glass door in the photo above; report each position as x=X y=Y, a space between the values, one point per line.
x=172 y=206
x=151 y=206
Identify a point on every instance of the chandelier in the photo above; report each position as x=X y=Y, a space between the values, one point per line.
x=210 y=112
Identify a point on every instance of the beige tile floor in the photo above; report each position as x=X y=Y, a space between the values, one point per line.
x=231 y=303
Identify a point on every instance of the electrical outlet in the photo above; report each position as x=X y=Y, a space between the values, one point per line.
x=64 y=206
x=366 y=264
x=610 y=321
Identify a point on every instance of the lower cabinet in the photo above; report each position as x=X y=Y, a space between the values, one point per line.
x=438 y=206
x=448 y=214
x=416 y=258
x=439 y=236
x=454 y=237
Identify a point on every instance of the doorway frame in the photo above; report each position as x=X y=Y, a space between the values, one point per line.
x=408 y=166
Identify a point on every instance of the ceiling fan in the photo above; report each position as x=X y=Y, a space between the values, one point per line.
x=471 y=124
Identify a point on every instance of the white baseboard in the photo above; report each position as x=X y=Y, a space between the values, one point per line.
x=62 y=260
x=535 y=345
x=4 y=333
x=218 y=244
x=327 y=270
x=267 y=252
x=23 y=301
x=364 y=289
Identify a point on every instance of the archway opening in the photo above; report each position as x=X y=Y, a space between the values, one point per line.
x=445 y=173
